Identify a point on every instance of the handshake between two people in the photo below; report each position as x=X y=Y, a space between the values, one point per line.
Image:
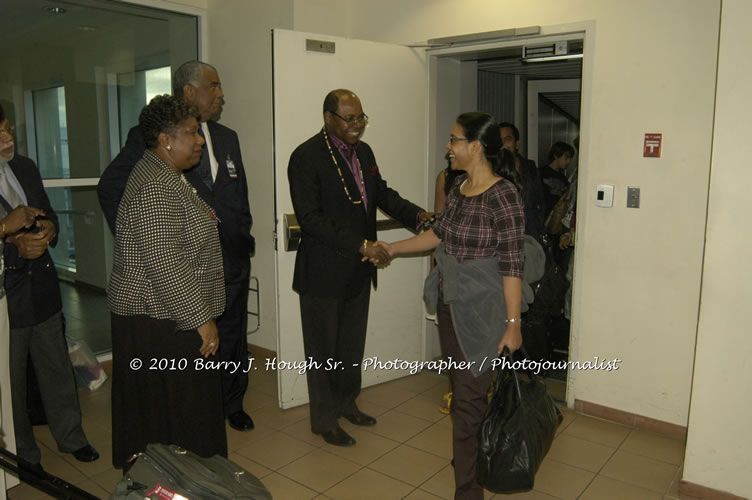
x=378 y=253
x=381 y=253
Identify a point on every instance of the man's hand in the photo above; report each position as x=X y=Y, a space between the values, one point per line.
x=376 y=255
x=426 y=217
x=386 y=246
x=30 y=245
x=19 y=218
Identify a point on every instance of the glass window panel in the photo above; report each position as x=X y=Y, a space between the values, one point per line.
x=73 y=86
x=81 y=265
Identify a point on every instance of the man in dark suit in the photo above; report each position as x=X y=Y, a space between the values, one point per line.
x=34 y=311
x=220 y=180
x=336 y=188
x=532 y=187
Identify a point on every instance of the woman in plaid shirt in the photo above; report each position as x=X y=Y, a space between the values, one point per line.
x=482 y=221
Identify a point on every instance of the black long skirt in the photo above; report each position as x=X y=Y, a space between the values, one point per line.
x=160 y=394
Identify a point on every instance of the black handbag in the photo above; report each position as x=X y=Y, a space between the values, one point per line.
x=516 y=433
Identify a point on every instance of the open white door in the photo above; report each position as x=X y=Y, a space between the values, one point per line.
x=391 y=83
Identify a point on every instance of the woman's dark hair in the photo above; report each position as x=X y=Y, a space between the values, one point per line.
x=2 y=114
x=483 y=128
x=558 y=149
x=163 y=114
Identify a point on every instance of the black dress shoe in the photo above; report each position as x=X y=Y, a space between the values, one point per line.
x=360 y=418
x=240 y=421
x=338 y=437
x=86 y=454
x=31 y=473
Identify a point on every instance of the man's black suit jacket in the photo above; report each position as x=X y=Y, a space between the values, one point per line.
x=328 y=263
x=31 y=285
x=229 y=198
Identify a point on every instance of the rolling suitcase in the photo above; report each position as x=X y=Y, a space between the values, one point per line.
x=170 y=472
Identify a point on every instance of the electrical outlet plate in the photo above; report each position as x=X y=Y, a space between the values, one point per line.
x=633 y=197
x=604 y=195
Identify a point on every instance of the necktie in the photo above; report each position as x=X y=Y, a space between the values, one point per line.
x=204 y=166
x=6 y=190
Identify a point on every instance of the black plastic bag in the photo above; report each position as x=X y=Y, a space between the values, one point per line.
x=516 y=433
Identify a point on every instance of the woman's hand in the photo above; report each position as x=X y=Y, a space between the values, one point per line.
x=19 y=218
x=209 y=337
x=512 y=337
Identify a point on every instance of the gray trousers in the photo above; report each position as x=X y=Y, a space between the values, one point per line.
x=49 y=354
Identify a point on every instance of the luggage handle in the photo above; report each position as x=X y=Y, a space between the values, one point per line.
x=506 y=353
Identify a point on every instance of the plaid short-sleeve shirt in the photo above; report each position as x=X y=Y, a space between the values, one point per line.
x=489 y=224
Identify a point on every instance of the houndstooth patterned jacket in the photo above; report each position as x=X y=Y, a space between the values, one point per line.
x=168 y=260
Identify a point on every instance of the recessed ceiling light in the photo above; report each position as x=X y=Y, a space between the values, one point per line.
x=56 y=10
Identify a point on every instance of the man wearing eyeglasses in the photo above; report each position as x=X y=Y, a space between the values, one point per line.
x=336 y=188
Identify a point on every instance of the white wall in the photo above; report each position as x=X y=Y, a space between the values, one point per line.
x=240 y=48
x=719 y=446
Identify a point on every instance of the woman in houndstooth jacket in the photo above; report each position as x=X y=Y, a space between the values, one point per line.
x=166 y=289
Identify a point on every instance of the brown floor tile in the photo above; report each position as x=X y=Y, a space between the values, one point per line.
x=26 y=492
x=367 y=484
x=436 y=393
x=278 y=419
x=58 y=466
x=641 y=471
x=604 y=487
x=254 y=468
x=398 y=426
x=255 y=400
x=283 y=488
x=419 y=494
x=420 y=382
x=93 y=488
x=238 y=439
x=422 y=407
x=597 y=430
x=580 y=453
x=302 y=430
x=436 y=440
x=385 y=396
x=409 y=464
x=108 y=479
x=276 y=450
x=562 y=480
x=319 y=470
x=527 y=495
x=569 y=417
x=657 y=446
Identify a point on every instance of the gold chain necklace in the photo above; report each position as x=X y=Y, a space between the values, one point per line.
x=341 y=177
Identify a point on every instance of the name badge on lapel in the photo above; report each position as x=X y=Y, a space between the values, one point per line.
x=231 y=168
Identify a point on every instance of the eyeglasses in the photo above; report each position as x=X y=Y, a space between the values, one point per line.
x=453 y=139
x=351 y=120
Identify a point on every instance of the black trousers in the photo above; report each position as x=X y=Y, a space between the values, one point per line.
x=233 y=344
x=334 y=329
x=469 y=403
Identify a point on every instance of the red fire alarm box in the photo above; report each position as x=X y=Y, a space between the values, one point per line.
x=652 y=146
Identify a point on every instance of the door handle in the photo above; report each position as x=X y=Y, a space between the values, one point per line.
x=292 y=233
